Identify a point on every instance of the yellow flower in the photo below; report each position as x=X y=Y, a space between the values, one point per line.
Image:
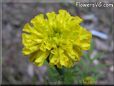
x=56 y=37
x=88 y=81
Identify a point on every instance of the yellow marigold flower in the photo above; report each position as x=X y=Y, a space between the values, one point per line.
x=56 y=37
x=88 y=81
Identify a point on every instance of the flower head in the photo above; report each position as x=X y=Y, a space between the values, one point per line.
x=88 y=80
x=56 y=37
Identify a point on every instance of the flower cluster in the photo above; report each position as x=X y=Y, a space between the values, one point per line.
x=58 y=38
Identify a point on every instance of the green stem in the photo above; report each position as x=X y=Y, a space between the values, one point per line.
x=60 y=71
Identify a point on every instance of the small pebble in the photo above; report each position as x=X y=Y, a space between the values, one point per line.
x=112 y=68
x=96 y=62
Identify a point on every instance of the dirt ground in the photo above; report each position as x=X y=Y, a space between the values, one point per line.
x=16 y=69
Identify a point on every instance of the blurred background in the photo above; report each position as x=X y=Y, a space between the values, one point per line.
x=98 y=62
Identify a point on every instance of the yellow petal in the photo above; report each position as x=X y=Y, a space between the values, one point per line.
x=27 y=28
x=41 y=58
x=27 y=51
